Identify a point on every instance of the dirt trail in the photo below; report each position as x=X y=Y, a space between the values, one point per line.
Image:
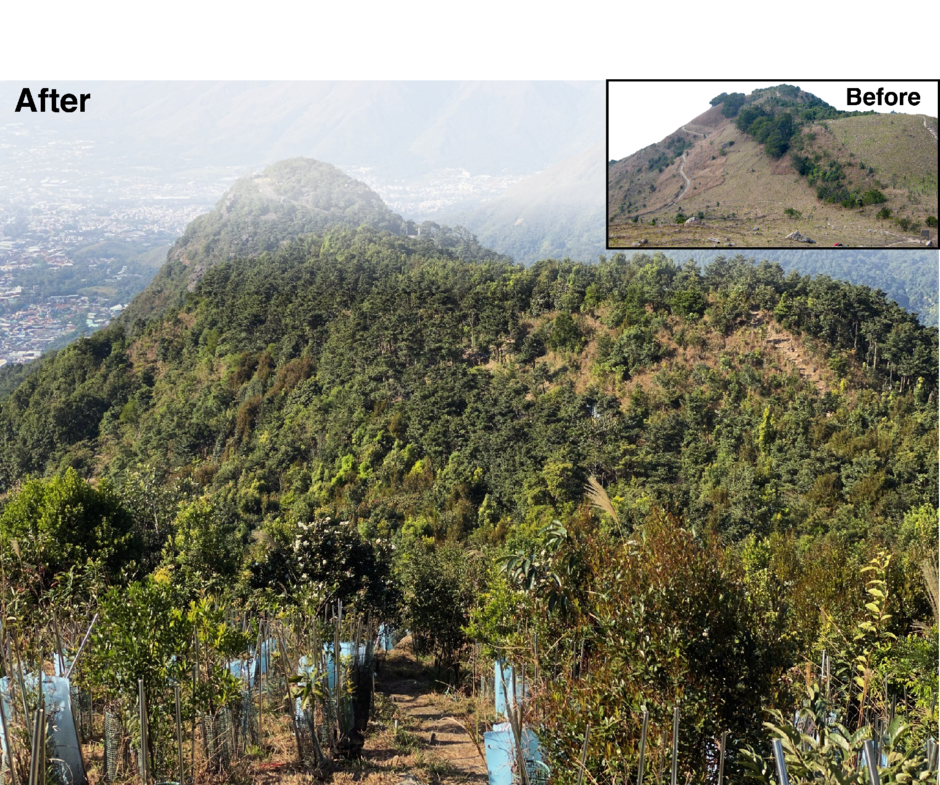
x=432 y=744
x=932 y=132
x=783 y=342
x=688 y=182
x=670 y=203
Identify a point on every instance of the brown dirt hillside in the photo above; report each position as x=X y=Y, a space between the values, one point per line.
x=743 y=196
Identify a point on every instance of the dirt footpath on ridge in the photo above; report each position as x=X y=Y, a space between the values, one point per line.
x=420 y=731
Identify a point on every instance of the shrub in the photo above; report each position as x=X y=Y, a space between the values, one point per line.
x=205 y=546
x=440 y=585
x=565 y=334
x=666 y=619
x=64 y=522
x=334 y=554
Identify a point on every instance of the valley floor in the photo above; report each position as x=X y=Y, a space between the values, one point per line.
x=754 y=233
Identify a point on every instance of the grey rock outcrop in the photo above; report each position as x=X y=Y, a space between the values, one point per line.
x=800 y=238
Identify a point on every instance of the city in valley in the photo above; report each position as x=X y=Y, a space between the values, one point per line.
x=84 y=228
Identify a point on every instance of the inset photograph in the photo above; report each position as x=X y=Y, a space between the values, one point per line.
x=710 y=164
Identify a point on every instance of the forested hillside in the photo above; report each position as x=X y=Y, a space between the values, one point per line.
x=764 y=446
x=425 y=349
x=909 y=278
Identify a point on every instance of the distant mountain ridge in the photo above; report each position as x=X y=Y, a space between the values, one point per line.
x=402 y=127
x=557 y=213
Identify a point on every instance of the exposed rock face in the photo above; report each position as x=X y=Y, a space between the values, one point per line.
x=644 y=241
x=799 y=238
x=694 y=220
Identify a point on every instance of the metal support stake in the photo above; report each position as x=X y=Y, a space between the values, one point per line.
x=871 y=762
x=779 y=762
x=37 y=760
x=78 y=654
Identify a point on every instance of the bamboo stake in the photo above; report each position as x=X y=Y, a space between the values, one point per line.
x=721 y=758
x=514 y=711
x=337 y=672
x=584 y=748
x=19 y=673
x=81 y=647
x=144 y=754
x=675 y=744
x=290 y=705
x=179 y=730
x=60 y=652
x=646 y=719
x=257 y=679
x=192 y=738
x=40 y=674
x=6 y=733
x=535 y=654
x=6 y=739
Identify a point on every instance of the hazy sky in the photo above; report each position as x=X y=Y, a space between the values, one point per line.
x=666 y=106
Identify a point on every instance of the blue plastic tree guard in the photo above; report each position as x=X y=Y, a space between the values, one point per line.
x=387 y=637
x=501 y=764
x=503 y=688
x=345 y=650
x=64 y=750
x=257 y=664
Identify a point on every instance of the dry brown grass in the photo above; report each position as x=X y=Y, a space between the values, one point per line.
x=744 y=187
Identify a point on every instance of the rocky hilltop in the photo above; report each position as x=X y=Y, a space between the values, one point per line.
x=259 y=212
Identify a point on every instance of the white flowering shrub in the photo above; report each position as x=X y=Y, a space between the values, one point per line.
x=330 y=559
